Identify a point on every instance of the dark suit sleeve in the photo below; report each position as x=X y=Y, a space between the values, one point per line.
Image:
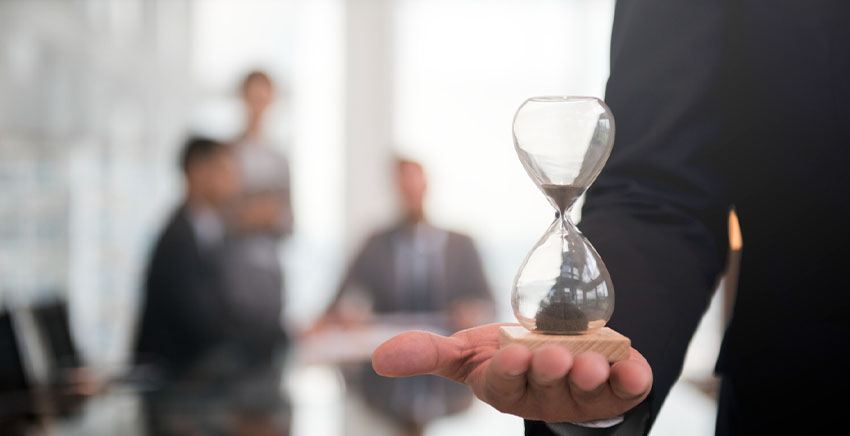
x=657 y=213
x=182 y=313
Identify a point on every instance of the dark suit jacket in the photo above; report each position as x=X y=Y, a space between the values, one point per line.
x=182 y=310
x=721 y=104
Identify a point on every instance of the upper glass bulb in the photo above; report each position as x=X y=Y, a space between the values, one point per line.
x=563 y=287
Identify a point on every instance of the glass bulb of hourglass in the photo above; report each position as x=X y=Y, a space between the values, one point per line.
x=563 y=287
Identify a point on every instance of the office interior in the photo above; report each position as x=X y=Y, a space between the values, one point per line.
x=98 y=97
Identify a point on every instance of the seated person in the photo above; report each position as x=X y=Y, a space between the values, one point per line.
x=414 y=268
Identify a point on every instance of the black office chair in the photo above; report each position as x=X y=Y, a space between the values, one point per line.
x=24 y=397
x=52 y=320
x=16 y=404
x=64 y=390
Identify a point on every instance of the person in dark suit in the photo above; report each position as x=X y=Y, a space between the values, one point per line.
x=216 y=362
x=423 y=273
x=718 y=104
x=182 y=311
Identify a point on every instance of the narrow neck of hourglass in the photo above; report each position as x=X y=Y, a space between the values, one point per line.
x=562 y=197
x=563 y=220
x=563 y=207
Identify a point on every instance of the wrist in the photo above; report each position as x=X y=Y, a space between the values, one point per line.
x=601 y=423
x=584 y=428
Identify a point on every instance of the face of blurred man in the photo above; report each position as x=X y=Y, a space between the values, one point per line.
x=258 y=95
x=215 y=179
x=412 y=186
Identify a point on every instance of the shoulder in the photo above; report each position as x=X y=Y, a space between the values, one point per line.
x=459 y=239
x=177 y=232
x=461 y=247
x=378 y=240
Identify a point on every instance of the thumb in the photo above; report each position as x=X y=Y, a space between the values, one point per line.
x=418 y=352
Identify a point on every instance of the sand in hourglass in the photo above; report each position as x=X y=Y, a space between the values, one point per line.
x=556 y=315
x=562 y=195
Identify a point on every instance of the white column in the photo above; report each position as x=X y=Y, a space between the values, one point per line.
x=369 y=197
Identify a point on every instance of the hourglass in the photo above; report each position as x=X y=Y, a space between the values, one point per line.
x=562 y=293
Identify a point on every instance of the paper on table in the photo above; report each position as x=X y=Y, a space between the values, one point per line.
x=348 y=345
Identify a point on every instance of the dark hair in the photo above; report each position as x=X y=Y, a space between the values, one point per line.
x=256 y=76
x=197 y=149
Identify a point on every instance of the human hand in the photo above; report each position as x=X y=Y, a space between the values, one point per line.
x=548 y=384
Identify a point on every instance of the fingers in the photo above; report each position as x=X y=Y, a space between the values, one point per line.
x=578 y=388
x=601 y=390
x=547 y=378
x=417 y=352
x=589 y=376
x=549 y=366
x=548 y=384
x=504 y=382
x=631 y=379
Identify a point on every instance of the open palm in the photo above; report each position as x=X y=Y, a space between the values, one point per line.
x=547 y=384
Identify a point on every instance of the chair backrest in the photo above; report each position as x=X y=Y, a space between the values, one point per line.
x=52 y=320
x=12 y=374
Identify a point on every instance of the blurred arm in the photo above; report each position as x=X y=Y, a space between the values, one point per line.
x=269 y=210
x=350 y=305
x=473 y=304
x=285 y=219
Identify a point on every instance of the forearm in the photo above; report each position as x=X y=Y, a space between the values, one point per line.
x=664 y=264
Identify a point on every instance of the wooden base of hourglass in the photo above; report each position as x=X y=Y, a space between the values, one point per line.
x=604 y=341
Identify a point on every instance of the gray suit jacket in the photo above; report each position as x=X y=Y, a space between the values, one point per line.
x=454 y=271
x=414 y=269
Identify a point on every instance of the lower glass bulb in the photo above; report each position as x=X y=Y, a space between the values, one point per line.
x=563 y=287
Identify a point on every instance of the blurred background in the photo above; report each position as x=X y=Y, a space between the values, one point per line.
x=98 y=97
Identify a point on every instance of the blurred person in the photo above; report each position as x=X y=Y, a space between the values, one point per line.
x=212 y=379
x=423 y=273
x=183 y=302
x=259 y=218
x=742 y=103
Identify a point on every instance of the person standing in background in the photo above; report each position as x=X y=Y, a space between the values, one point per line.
x=258 y=220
